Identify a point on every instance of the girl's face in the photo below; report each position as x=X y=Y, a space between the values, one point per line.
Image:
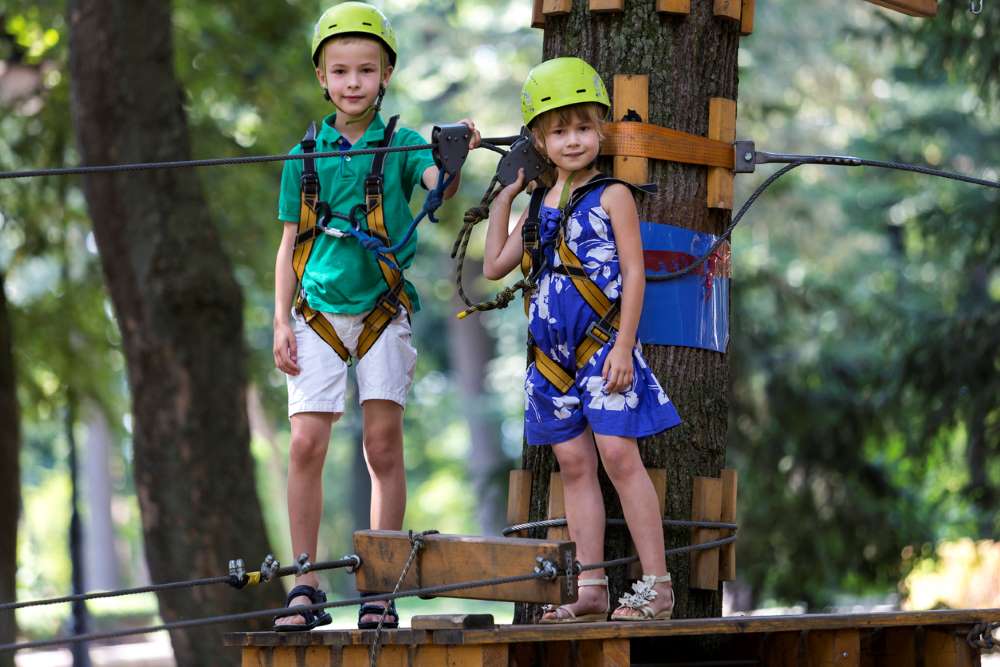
x=351 y=72
x=572 y=144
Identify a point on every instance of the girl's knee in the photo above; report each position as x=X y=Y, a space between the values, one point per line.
x=621 y=460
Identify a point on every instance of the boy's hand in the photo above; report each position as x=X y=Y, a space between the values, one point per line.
x=475 y=138
x=617 y=371
x=285 y=353
x=514 y=189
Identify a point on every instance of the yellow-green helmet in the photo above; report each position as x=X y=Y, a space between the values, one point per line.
x=558 y=83
x=353 y=17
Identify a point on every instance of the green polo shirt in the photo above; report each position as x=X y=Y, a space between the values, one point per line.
x=341 y=276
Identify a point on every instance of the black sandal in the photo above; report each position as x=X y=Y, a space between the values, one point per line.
x=313 y=618
x=377 y=609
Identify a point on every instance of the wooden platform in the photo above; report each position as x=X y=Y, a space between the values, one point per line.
x=899 y=639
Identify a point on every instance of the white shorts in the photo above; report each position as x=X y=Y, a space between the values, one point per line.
x=385 y=372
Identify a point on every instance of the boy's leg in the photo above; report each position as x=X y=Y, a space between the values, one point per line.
x=585 y=517
x=310 y=439
x=383 y=444
x=641 y=508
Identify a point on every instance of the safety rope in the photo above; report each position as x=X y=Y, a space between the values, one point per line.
x=416 y=544
x=473 y=216
x=545 y=570
x=670 y=523
x=235 y=580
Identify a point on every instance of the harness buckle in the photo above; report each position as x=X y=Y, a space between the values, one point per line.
x=310 y=183
x=598 y=332
x=373 y=185
x=388 y=302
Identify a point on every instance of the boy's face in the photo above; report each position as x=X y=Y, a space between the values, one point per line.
x=351 y=72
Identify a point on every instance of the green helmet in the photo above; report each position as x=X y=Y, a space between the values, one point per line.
x=353 y=17
x=558 y=83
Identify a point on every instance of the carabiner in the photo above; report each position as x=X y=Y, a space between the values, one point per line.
x=976 y=7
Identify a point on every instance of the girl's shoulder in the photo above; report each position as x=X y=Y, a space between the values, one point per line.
x=616 y=195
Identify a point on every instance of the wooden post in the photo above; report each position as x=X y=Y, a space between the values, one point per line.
x=834 y=648
x=945 y=648
x=659 y=478
x=746 y=17
x=729 y=9
x=556 y=509
x=556 y=7
x=727 y=556
x=518 y=497
x=605 y=653
x=537 y=17
x=607 y=5
x=631 y=92
x=673 y=6
x=706 y=505
x=722 y=127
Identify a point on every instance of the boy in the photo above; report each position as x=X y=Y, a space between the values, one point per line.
x=351 y=301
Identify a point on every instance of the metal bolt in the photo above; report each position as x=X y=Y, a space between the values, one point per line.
x=748 y=156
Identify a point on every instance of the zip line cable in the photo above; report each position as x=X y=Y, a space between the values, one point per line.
x=547 y=571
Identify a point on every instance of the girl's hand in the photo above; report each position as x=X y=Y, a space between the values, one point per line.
x=475 y=139
x=617 y=371
x=285 y=352
x=514 y=189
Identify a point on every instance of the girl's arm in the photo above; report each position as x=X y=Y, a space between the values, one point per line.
x=617 y=200
x=504 y=249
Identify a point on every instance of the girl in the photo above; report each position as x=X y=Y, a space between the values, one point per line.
x=588 y=383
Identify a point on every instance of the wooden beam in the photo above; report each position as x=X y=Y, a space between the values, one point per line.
x=556 y=7
x=537 y=17
x=727 y=556
x=449 y=559
x=706 y=505
x=673 y=6
x=721 y=127
x=605 y=653
x=834 y=648
x=746 y=17
x=607 y=5
x=518 y=496
x=556 y=509
x=729 y=9
x=948 y=649
x=924 y=9
x=631 y=94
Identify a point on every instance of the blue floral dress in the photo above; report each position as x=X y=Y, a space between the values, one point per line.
x=558 y=318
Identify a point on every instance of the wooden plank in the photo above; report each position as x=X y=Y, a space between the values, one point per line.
x=607 y=5
x=663 y=143
x=889 y=647
x=834 y=648
x=478 y=656
x=706 y=505
x=447 y=559
x=727 y=556
x=321 y=656
x=605 y=653
x=252 y=657
x=451 y=621
x=556 y=509
x=518 y=496
x=284 y=657
x=920 y=8
x=721 y=127
x=943 y=648
x=673 y=6
x=631 y=93
x=746 y=17
x=430 y=656
x=781 y=649
x=556 y=7
x=728 y=9
x=659 y=478
x=537 y=17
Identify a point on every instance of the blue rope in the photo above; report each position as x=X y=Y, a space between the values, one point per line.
x=432 y=202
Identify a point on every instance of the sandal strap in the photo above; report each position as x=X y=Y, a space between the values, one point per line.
x=315 y=595
x=592 y=582
x=665 y=579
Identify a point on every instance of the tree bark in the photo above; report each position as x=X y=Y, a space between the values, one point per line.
x=689 y=59
x=10 y=479
x=180 y=313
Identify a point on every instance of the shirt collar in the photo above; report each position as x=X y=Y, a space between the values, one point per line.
x=329 y=135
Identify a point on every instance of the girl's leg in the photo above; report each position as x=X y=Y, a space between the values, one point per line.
x=641 y=508
x=383 y=443
x=310 y=439
x=585 y=517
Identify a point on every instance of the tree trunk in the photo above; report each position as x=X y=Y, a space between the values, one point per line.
x=180 y=313
x=689 y=59
x=10 y=479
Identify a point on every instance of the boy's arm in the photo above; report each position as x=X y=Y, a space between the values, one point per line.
x=617 y=200
x=430 y=176
x=503 y=250
x=285 y=352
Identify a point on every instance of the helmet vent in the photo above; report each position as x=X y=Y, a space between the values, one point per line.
x=582 y=90
x=366 y=23
x=332 y=25
x=546 y=99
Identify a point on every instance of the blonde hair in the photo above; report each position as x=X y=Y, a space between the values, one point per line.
x=583 y=112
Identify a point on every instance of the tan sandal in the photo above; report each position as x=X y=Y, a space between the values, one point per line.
x=642 y=594
x=570 y=617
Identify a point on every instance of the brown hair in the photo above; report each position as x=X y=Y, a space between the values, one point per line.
x=589 y=112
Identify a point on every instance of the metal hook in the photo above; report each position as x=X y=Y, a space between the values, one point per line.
x=976 y=7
